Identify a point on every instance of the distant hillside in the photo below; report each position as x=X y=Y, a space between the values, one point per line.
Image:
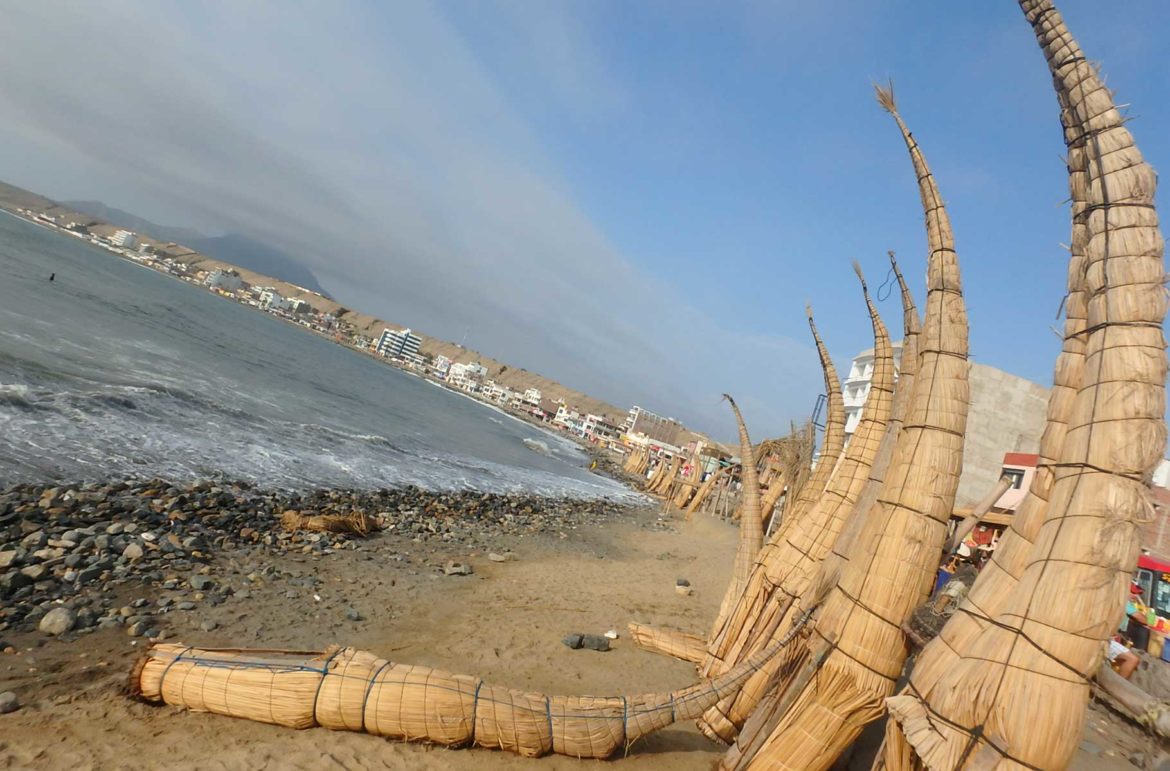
x=260 y=258
x=233 y=248
x=128 y=221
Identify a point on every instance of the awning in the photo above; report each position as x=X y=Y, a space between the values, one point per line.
x=1152 y=563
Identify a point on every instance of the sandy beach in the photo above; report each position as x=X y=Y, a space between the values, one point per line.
x=504 y=623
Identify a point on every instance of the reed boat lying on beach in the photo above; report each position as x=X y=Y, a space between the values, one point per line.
x=345 y=689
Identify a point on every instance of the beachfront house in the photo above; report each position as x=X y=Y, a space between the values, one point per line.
x=599 y=429
x=569 y=419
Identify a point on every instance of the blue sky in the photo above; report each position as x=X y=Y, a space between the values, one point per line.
x=635 y=198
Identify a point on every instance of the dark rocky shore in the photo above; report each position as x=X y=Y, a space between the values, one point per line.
x=72 y=557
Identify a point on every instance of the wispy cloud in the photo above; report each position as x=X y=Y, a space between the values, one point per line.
x=375 y=143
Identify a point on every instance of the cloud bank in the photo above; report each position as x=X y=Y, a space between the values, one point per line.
x=376 y=145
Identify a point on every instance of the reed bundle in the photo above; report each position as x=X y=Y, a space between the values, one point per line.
x=793 y=463
x=1001 y=575
x=669 y=642
x=831 y=567
x=1036 y=651
x=706 y=488
x=784 y=569
x=751 y=526
x=834 y=442
x=659 y=473
x=856 y=650
x=667 y=479
x=833 y=445
x=350 y=690
x=354 y=523
x=691 y=483
x=635 y=459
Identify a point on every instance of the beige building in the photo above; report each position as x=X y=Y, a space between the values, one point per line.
x=1006 y=416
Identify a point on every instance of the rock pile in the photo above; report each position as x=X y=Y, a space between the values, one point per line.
x=66 y=551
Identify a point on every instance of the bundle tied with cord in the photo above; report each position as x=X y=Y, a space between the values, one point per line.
x=346 y=689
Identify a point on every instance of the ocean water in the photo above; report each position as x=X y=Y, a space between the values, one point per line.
x=114 y=370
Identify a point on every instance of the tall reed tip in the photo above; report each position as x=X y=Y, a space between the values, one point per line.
x=860 y=275
x=885 y=96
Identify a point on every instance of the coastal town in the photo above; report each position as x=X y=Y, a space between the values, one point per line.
x=401 y=348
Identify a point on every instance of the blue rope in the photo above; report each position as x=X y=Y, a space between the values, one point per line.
x=475 y=710
x=163 y=679
x=324 y=673
x=548 y=712
x=369 y=690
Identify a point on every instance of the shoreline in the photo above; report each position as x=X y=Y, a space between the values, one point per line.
x=68 y=542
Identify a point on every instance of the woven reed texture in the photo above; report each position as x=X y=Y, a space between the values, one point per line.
x=766 y=625
x=635 y=460
x=782 y=574
x=690 y=484
x=356 y=523
x=1001 y=575
x=751 y=526
x=656 y=477
x=669 y=642
x=857 y=649
x=834 y=563
x=815 y=486
x=662 y=487
x=833 y=447
x=705 y=491
x=1046 y=642
x=350 y=690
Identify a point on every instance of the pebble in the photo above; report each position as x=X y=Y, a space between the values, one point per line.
x=58 y=621
x=137 y=629
x=94 y=542
x=594 y=642
x=8 y=702
x=353 y=615
x=208 y=625
x=200 y=583
x=685 y=591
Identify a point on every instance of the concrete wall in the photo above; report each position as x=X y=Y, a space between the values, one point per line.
x=1007 y=415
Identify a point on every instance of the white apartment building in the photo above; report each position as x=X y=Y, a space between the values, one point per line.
x=469 y=377
x=532 y=396
x=225 y=280
x=855 y=389
x=270 y=298
x=125 y=239
x=398 y=344
x=441 y=366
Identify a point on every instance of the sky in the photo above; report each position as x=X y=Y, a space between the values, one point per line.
x=634 y=198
